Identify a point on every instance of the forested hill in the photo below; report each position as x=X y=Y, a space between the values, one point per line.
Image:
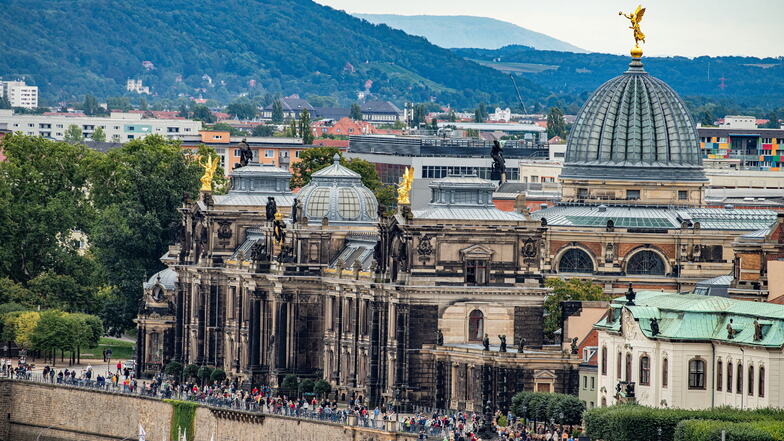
x=73 y=47
x=747 y=81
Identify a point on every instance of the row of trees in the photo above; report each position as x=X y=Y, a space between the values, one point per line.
x=51 y=331
x=548 y=407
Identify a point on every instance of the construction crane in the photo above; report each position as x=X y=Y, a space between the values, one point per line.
x=522 y=105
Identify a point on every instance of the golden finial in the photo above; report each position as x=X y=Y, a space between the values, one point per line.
x=636 y=17
x=278 y=215
x=404 y=188
x=210 y=166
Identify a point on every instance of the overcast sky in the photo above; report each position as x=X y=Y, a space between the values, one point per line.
x=672 y=27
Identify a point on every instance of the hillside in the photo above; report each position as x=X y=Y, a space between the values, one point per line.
x=459 y=31
x=748 y=82
x=220 y=48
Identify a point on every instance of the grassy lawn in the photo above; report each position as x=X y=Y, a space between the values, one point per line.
x=121 y=350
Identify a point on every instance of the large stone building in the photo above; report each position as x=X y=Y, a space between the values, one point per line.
x=390 y=309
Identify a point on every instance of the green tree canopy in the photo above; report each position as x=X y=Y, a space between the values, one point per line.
x=18 y=326
x=304 y=128
x=121 y=103
x=73 y=134
x=556 y=126
x=356 y=112
x=202 y=113
x=277 y=112
x=242 y=109
x=133 y=229
x=99 y=135
x=263 y=130
x=563 y=290
x=90 y=106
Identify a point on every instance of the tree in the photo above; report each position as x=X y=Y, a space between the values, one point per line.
x=224 y=127
x=13 y=292
x=451 y=116
x=202 y=113
x=19 y=326
x=304 y=128
x=434 y=124
x=556 y=126
x=174 y=369
x=322 y=388
x=73 y=134
x=204 y=374
x=242 y=109
x=121 y=103
x=563 y=290
x=291 y=132
x=99 y=135
x=263 y=130
x=190 y=371
x=217 y=376
x=60 y=291
x=277 y=112
x=290 y=385
x=183 y=111
x=420 y=114
x=773 y=118
x=142 y=103
x=90 y=106
x=306 y=386
x=42 y=200
x=356 y=112
x=52 y=332
x=132 y=229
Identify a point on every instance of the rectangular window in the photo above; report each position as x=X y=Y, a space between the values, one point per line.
x=593 y=383
x=476 y=272
x=585 y=382
x=645 y=371
x=719 y=373
x=582 y=193
x=761 y=380
x=618 y=366
x=683 y=195
x=604 y=361
x=696 y=374
x=269 y=154
x=665 y=373
x=632 y=195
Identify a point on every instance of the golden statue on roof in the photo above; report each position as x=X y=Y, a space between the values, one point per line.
x=636 y=17
x=209 y=166
x=404 y=188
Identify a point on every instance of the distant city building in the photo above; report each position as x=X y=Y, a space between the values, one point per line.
x=292 y=108
x=752 y=147
x=136 y=86
x=19 y=94
x=501 y=114
x=343 y=127
x=119 y=127
x=380 y=112
x=434 y=158
x=529 y=132
x=738 y=122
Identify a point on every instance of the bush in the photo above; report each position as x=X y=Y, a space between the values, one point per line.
x=290 y=385
x=190 y=371
x=174 y=368
x=322 y=388
x=217 y=376
x=306 y=386
x=540 y=406
x=710 y=430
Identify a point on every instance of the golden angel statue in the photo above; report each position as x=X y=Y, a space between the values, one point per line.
x=404 y=188
x=209 y=166
x=636 y=17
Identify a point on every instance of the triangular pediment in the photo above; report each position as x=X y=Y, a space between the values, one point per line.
x=476 y=252
x=544 y=374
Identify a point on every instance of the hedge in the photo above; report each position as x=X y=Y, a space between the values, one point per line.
x=183 y=415
x=710 y=430
x=638 y=423
x=540 y=406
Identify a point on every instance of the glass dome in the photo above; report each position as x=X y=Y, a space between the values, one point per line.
x=337 y=193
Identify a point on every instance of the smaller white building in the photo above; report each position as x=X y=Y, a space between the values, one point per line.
x=19 y=94
x=136 y=86
x=501 y=114
x=692 y=351
x=739 y=122
x=118 y=127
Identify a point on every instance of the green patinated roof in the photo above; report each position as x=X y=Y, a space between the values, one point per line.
x=694 y=317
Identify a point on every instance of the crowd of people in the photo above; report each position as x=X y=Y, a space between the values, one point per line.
x=439 y=425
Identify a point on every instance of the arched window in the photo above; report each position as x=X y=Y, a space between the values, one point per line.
x=750 y=390
x=628 y=367
x=604 y=360
x=618 y=366
x=575 y=260
x=719 y=374
x=696 y=374
x=645 y=262
x=476 y=325
x=665 y=372
x=761 y=380
x=645 y=370
x=729 y=377
x=604 y=402
x=739 y=381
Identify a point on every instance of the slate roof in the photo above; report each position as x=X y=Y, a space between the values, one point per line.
x=468 y=213
x=252 y=235
x=379 y=107
x=656 y=217
x=694 y=317
x=360 y=247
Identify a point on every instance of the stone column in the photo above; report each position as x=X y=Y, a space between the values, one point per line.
x=179 y=308
x=375 y=352
x=254 y=334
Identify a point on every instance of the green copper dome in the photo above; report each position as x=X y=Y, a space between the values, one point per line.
x=634 y=127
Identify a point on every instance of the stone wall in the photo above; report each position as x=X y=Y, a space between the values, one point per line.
x=69 y=414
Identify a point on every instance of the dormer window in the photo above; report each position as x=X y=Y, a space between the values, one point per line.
x=476 y=272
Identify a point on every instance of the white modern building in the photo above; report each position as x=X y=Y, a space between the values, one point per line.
x=691 y=351
x=19 y=94
x=118 y=127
